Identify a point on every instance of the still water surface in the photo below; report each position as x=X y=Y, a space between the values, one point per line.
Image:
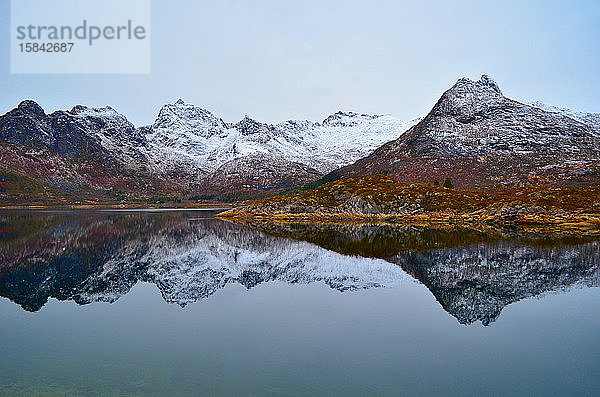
x=181 y=303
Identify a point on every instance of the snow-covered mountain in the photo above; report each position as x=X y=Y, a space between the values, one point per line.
x=473 y=118
x=186 y=134
x=189 y=142
x=478 y=137
x=111 y=130
x=86 y=152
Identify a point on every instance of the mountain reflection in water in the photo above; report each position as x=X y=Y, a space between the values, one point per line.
x=99 y=256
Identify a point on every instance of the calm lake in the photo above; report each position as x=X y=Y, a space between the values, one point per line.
x=179 y=303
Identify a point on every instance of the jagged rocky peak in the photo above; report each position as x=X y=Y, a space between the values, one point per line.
x=104 y=117
x=486 y=82
x=186 y=116
x=27 y=124
x=103 y=123
x=249 y=126
x=468 y=97
x=347 y=119
x=83 y=110
x=31 y=107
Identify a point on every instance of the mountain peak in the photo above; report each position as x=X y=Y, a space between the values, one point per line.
x=106 y=111
x=497 y=140
x=185 y=122
x=31 y=106
x=348 y=119
x=485 y=84
x=487 y=81
x=248 y=126
x=467 y=98
x=186 y=113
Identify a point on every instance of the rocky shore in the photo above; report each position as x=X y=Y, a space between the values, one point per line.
x=382 y=198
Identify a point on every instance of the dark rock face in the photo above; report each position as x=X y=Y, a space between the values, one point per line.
x=84 y=151
x=478 y=137
x=26 y=125
x=74 y=134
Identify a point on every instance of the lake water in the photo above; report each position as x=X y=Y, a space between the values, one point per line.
x=179 y=303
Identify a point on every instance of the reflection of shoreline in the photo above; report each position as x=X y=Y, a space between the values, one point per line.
x=473 y=273
x=441 y=233
x=576 y=226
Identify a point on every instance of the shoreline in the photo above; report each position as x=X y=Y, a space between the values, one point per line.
x=113 y=207
x=589 y=225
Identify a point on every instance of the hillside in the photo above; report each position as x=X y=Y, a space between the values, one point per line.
x=383 y=198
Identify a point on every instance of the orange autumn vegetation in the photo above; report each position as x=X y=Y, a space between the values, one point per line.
x=383 y=197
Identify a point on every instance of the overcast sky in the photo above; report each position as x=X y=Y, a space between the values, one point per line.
x=278 y=60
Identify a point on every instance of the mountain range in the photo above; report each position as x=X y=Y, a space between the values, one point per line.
x=473 y=135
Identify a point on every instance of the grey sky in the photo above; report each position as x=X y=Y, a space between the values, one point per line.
x=276 y=60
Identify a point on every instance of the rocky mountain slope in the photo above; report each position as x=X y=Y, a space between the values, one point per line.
x=83 y=152
x=591 y=119
x=478 y=137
